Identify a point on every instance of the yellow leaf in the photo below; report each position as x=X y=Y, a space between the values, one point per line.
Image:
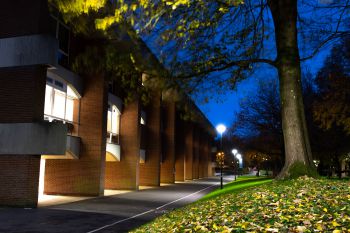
x=319 y=227
x=325 y=210
x=272 y=229
x=335 y=224
x=337 y=231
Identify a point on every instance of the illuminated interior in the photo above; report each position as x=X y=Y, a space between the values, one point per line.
x=59 y=101
x=113 y=123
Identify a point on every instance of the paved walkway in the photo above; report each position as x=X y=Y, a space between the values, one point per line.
x=117 y=213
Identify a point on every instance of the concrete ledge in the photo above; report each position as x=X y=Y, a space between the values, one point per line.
x=33 y=138
x=28 y=50
x=72 y=149
x=74 y=80
x=115 y=100
x=112 y=152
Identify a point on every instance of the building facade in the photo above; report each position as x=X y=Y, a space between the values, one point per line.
x=72 y=134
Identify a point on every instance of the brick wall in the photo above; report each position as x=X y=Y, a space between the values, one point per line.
x=180 y=150
x=86 y=175
x=205 y=154
x=23 y=17
x=201 y=154
x=196 y=136
x=21 y=100
x=125 y=174
x=189 y=151
x=167 y=171
x=150 y=170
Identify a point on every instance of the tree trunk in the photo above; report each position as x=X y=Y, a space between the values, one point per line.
x=298 y=157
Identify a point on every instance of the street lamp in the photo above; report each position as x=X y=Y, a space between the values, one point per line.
x=221 y=156
x=221 y=129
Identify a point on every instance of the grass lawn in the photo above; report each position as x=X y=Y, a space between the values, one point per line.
x=242 y=182
x=300 y=205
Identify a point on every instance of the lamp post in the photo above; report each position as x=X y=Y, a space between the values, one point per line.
x=239 y=158
x=221 y=156
x=234 y=152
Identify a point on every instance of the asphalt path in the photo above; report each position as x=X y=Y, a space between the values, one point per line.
x=118 y=213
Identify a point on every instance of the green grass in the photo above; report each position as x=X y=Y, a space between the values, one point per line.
x=298 y=205
x=242 y=182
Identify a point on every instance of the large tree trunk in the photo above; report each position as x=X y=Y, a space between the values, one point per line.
x=298 y=158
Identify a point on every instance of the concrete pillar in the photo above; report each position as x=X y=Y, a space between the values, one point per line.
x=125 y=174
x=150 y=170
x=86 y=175
x=180 y=149
x=189 y=151
x=167 y=171
x=22 y=94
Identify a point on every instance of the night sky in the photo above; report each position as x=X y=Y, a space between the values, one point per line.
x=223 y=108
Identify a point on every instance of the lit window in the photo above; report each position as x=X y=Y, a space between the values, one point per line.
x=113 y=123
x=142 y=121
x=59 y=101
x=144 y=78
x=143 y=118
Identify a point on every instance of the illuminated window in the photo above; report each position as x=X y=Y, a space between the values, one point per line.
x=113 y=123
x=59 y=101
x=143 y=118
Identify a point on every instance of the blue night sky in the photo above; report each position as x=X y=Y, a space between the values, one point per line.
x=223 y=109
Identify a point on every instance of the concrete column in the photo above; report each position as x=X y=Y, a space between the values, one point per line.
x=22 y=94
x=150 y=170
x=180 y=149
x=86 y=175
x=125 y=174
x=167 y=171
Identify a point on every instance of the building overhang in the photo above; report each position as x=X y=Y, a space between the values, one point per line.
x=40 y=49
x=72 y=149
x=115 y=100
x=74 y=80
x=112 y=152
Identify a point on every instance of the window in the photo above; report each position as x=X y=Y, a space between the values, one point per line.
x=113 y=124
x=61 y=32
x=143 y=118
x=59 y=101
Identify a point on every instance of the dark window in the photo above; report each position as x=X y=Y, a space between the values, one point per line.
x=59 y=84
x=63 y=38
x=61 y=32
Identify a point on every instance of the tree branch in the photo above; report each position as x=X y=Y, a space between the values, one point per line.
x=228 y=65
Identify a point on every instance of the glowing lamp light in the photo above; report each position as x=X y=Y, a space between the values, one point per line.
x=221 y=128
x=234 y=152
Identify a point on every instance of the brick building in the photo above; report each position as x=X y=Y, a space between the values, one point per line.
x=75 y=131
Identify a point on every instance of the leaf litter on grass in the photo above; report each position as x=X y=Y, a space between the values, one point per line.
x=301 y=205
